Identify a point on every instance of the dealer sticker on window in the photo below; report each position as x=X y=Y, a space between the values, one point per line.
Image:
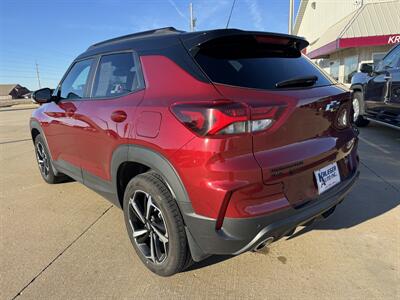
x=327 y=177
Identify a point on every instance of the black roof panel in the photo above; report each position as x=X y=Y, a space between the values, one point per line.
x=162 y=38
x=139 y=35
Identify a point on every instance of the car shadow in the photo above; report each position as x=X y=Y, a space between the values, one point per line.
x=212 y=260
x=370 y=198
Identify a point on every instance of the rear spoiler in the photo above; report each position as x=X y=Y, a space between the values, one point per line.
x=194 y=41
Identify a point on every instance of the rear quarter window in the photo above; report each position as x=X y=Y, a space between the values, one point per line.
x=254 y=65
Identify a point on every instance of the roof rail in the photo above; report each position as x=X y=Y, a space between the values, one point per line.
x=153 y=32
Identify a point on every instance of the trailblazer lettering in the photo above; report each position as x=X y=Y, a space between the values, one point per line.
x=394 y=39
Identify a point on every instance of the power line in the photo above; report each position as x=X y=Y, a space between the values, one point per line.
x=230 y=14
x=47 y=78
x=28 y=70
x=11 y=63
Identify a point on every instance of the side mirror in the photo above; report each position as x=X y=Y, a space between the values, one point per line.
x=43 y=95
x=366 y=68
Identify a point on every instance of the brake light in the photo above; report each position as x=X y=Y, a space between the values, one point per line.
x=225 y=117
x=271 y=40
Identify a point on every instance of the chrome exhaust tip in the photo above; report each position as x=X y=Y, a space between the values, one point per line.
x=264 y=243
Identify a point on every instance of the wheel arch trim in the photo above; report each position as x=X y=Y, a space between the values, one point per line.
x=357 y=87
x=155 y=161
x=34 y=124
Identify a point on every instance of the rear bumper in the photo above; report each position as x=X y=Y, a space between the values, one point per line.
x=239 y=235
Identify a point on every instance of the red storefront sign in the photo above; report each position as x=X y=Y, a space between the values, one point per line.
x=355 y=42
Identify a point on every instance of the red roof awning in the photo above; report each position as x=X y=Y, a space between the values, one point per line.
x=353 y=42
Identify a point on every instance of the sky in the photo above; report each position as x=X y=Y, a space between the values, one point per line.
x=52 y=33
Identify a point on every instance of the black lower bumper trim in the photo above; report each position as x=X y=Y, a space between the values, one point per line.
x=240 y=235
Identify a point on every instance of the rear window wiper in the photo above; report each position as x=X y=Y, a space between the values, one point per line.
x=298 y=81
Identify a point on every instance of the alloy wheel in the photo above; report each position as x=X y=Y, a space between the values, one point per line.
x=43 y=160
x=356 y=108
x=149 y=230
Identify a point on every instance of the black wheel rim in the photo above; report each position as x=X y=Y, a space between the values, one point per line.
x=43 y=160
x=149 y=230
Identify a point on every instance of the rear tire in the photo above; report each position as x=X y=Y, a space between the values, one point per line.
x=358 y=108
x=155 y=225
x=45 y=164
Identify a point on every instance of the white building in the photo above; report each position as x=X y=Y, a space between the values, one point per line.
x=344 y=33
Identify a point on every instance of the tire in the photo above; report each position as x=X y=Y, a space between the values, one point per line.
x=189 y=260
x=45 y=164
x=358 y=109
x=158 y=225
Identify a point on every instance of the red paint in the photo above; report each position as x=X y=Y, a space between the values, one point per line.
x=227 y=176
x=369 y=41
x=118 y=116
x=148 y=124
x=354 y=42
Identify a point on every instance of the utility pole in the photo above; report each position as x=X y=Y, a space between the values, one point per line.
x=37 y=74
x=291 y=10
x=192 y=24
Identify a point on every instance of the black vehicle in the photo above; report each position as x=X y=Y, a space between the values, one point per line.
x=377 y=92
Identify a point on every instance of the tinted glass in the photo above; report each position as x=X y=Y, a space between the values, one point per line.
x=261 y=66
x=116 y=75
x=350 y=68
x=74 y=84
x=392 y=58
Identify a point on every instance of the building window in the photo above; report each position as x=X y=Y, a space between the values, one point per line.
x=350 y=68
x=334 y=69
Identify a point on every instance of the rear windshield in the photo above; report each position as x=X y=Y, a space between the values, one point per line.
x=248 y=63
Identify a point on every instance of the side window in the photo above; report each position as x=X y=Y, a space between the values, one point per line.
x=117 y=74
x=392 y=58
x=74 y=84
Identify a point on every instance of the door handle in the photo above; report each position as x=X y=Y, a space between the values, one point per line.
x=118 y=116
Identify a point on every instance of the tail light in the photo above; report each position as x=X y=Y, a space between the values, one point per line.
x=226 y=117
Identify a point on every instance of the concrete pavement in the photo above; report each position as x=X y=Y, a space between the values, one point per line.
x=66 y=242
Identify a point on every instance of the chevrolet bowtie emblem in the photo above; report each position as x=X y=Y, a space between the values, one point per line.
x=332 y=106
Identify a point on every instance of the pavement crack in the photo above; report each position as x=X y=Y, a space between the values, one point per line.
x=62 y=252
x=16 y=109
x=15 y=141
x=380 y=177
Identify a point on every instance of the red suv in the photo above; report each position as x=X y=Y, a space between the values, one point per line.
x=214 y=142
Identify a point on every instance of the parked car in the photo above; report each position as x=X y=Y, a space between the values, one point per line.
x=213 y=142
x=377 y=92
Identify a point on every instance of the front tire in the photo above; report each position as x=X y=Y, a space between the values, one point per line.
x=155 y=225
x=358 y=109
